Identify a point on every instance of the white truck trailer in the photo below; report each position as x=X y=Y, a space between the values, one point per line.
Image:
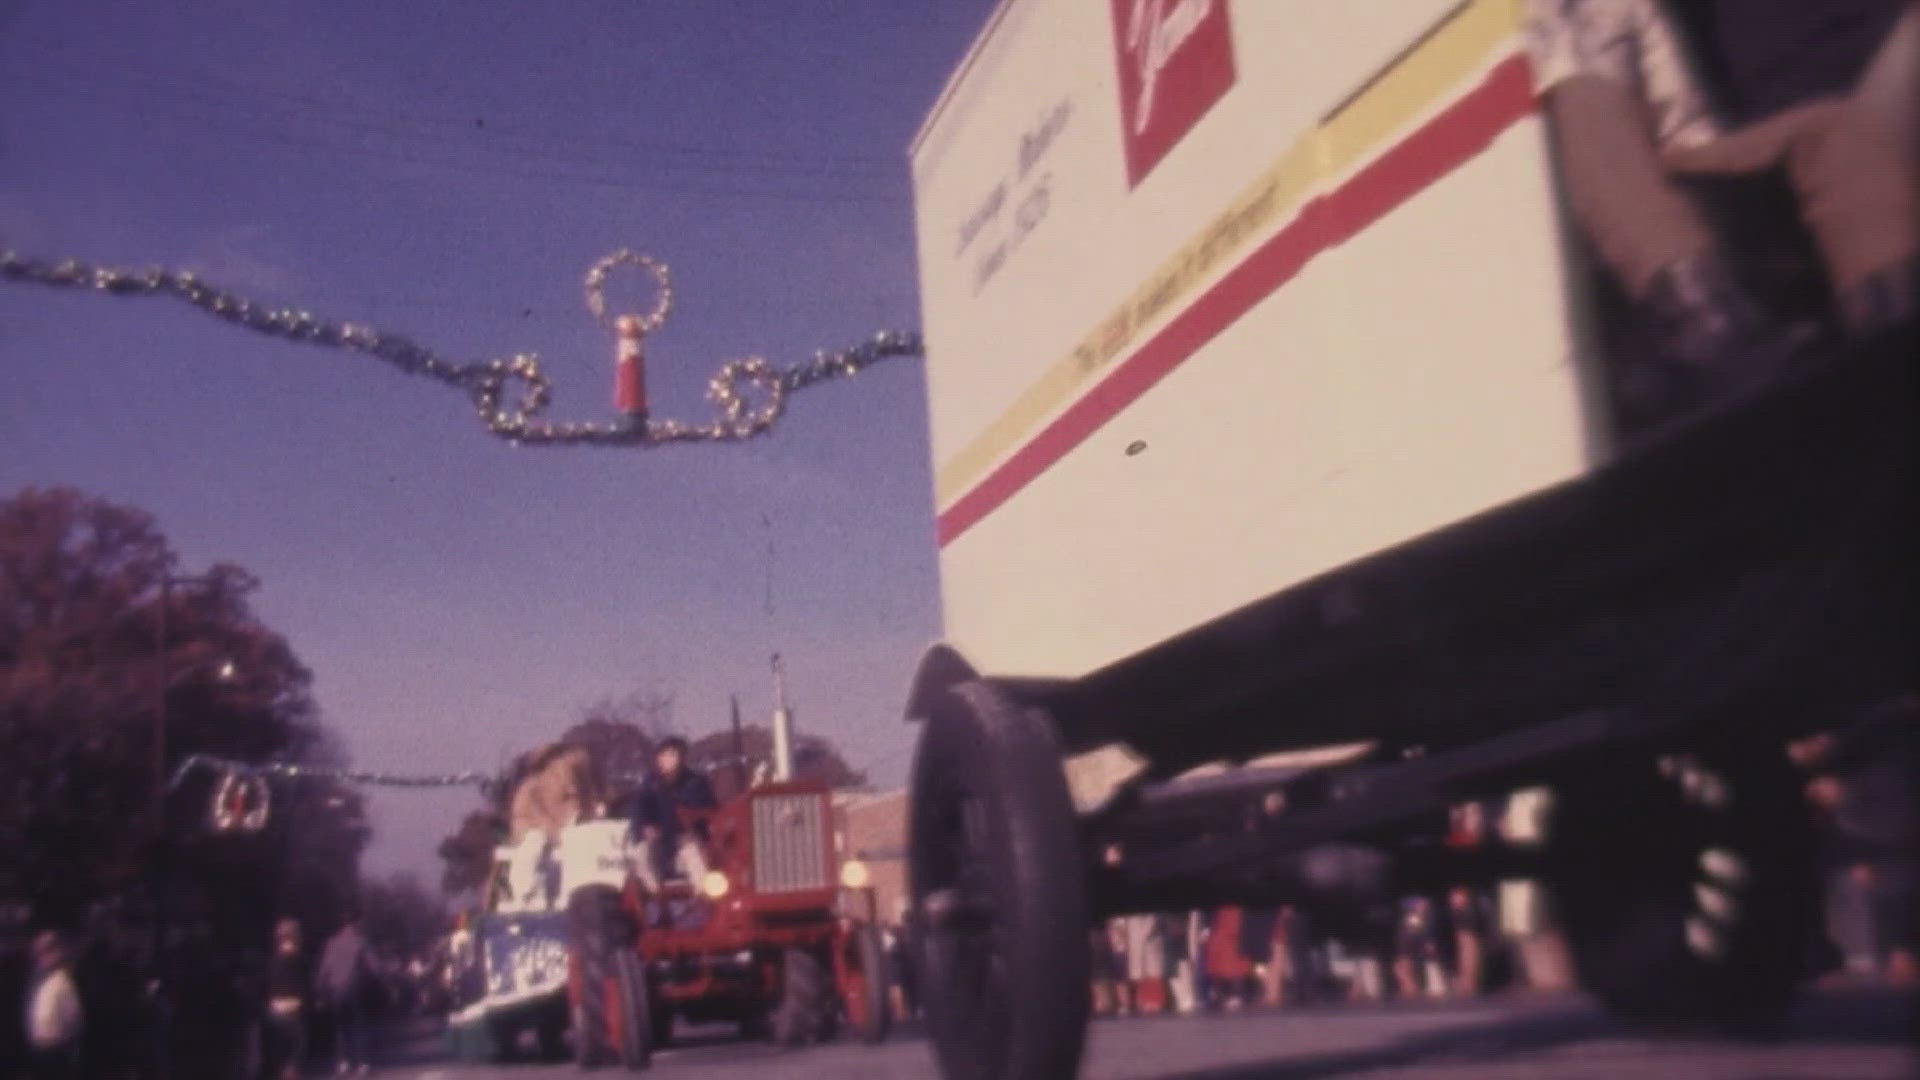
x=1267 y=401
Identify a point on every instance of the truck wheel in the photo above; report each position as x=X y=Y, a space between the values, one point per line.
x=804 y=1014
x=866 y=999
x=1687 y=886
x=635 y=1015
x=998 y=884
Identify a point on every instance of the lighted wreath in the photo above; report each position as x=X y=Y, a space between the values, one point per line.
x=240 y=803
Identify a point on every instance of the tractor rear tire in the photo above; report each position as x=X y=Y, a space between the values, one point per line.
x=1687 y=885
x=610 y=1016
x=999 y=888
x=805 y=1012
x=868 y=1014
x=590 y=1014
x=662 y=1026
x=636 y=1010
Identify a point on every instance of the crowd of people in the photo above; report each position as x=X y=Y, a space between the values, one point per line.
x=313 y=1012
x=317 y=1007
x=1426 y=945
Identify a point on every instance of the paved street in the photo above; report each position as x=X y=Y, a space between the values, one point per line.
x=1835 y=1036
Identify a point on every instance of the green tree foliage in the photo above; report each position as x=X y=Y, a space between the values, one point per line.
x=80 y=685
x=466 y=855
x=814 y=758
x=401 y=917
x=86 y=656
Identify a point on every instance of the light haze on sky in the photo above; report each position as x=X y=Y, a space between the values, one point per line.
x=448 y=172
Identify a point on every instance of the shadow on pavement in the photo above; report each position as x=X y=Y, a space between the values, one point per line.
x=415 y=1041
x=1872 y=1017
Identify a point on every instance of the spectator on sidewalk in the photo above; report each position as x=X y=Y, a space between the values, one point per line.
x=1297 y=955
x=902 y=990
x=1177 y=945
x=1416 y=961
x=1862 y=786
x=1144 y=954
x=1105 y=962
x=287 y=984
x=1228 y=972
x=345 y=981
x=55 y=1018
x=1258 y=925
x=1471 y=923
x=1197 y=931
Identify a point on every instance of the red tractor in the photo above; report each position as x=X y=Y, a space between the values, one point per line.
x=778 y=937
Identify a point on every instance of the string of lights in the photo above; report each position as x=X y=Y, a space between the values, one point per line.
x=750 y=395
x=290 y=770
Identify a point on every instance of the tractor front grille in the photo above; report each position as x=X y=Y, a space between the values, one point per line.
x=790 y=843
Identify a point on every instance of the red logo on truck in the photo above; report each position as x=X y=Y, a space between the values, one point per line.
x=1176 y=60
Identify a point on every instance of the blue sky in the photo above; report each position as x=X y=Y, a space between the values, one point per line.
x=448 y=171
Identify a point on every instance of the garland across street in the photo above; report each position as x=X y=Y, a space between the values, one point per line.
x=510 y=395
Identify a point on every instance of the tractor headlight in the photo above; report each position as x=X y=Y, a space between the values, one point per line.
x=853 y=874
x=714 y=885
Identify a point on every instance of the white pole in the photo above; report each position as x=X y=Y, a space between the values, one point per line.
x=782 y=724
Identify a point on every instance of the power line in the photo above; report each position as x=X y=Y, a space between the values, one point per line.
x=634 y=181
x=630 y=181
x=229 y=98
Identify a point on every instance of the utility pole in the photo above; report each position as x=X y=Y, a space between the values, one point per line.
x=162 y=861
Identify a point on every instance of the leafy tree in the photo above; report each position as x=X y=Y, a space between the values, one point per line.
x=466 y=855
x=401 y=917
x=620 y=750
x=649 y=713
x=814 y=758
x=81 y=582
x=86 y=655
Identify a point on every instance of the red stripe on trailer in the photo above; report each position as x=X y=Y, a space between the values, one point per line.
x=1451 y=139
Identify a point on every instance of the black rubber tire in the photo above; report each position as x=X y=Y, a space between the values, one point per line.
x=590 y=1018
x=662 y=1027
x=871 y=1014
x=805 y=1012
x=552 y=1033
x=998 y=881
x=1687 y=885
x=612 y=981
x=505 y=1037
x=636 y=1010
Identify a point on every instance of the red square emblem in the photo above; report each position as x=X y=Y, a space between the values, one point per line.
x=1176 y=60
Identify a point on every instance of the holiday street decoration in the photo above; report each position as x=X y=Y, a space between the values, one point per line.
x=289 y=770
x=510 y=395
x=241 y=799
x=630 y=378
x=240 y=803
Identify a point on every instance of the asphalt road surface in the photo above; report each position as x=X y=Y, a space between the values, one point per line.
x=1851 y=1035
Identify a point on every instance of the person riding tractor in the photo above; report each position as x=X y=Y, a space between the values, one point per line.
x=659 y=817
